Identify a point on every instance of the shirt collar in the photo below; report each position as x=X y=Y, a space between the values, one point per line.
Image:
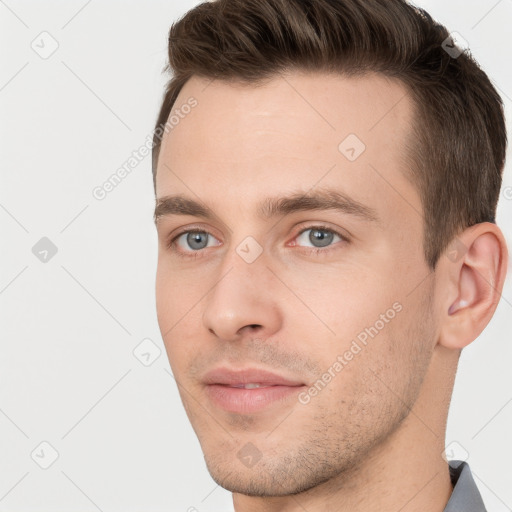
x=465 y=495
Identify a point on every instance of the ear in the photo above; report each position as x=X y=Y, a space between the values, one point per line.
x=476 y=265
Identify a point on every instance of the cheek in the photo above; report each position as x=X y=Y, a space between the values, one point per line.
x=369 y=385
x=338 y=304
x=173 y=309
x=164 y=298
x=359 y=326
x=175 y=294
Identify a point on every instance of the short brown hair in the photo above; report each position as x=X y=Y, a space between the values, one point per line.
x=459 y=132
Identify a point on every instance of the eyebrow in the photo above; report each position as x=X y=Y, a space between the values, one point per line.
x=325 y=199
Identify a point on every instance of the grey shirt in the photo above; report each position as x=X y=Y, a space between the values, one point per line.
x=465 y=495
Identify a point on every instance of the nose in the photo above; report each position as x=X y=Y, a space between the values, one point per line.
x=244 y=301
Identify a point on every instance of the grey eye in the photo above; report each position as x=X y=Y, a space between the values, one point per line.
x=197 y=240
x=194 y=240
x=318 y=237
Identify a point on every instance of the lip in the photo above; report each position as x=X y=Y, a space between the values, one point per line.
x=246 y=376
x=278 y=389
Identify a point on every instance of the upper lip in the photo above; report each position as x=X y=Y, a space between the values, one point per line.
x=247 y=376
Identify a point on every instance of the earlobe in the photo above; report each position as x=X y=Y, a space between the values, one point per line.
x=475 y=285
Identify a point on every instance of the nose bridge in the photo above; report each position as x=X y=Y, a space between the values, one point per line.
x=241 y=296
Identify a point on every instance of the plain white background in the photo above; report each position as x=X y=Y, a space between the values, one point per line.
x=70 y=325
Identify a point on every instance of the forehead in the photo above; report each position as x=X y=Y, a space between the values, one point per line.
x=243 y=142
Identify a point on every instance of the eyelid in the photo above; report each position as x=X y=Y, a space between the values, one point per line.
x=320 y=251
x=323 y=227
x=171 y=240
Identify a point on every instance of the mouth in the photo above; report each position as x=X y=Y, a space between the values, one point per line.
x=250 y=390
x=247 y=399
x=252 y=385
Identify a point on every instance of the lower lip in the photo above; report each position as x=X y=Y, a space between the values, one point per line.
x=246 y=401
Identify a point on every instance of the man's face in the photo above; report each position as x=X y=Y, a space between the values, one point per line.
x=335 y=301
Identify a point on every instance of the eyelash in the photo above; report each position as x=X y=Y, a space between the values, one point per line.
x=199 y=253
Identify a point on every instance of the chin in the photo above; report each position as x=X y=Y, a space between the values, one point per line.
x=262 y=479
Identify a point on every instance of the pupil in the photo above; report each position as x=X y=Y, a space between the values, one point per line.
x=318 y=235
x=195 y=238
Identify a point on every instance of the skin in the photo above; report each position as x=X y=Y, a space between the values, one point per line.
x=373 y=437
